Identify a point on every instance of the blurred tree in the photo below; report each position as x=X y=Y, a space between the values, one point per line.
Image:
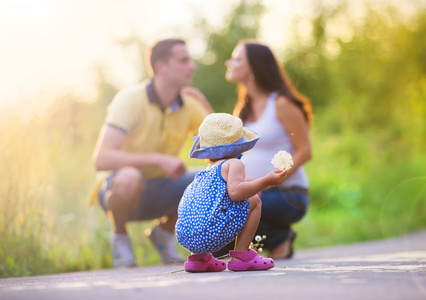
x=243 y=22
x=364 y=76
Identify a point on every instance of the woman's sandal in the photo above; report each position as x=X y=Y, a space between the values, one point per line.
x=290 y=250
x=204 y=263
x=293 y=235
x=250 y=261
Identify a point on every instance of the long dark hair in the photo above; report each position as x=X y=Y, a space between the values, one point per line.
x=270 y=77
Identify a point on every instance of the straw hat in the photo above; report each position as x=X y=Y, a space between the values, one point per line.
x=222 y=135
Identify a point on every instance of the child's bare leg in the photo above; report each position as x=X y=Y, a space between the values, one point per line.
x=246 y=235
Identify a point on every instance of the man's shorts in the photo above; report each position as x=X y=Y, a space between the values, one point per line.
x=160 y=197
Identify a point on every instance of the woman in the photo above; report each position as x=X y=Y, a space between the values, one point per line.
x=269 y=105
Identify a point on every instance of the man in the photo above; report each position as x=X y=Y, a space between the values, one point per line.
x=140 y=176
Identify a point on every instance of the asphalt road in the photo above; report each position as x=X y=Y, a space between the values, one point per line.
x=387 y=269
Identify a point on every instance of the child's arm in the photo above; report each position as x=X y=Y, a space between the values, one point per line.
x=238 y=189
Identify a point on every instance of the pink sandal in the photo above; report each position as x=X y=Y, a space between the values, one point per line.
x=250 y=261
x=204 y=263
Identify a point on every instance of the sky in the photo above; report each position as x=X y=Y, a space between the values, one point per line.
x=50 y=47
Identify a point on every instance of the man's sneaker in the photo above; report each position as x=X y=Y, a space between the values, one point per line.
x=122 y=253
x=165 y=243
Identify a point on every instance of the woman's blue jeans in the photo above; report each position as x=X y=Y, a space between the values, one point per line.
x=280 y=209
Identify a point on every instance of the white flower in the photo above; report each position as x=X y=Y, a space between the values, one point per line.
x=282 y=160
x=258 y=246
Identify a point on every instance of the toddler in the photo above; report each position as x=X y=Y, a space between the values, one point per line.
x=219 y=205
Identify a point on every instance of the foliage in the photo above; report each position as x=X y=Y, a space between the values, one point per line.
x=366 y=80
x=210 y=75
x=367 y=86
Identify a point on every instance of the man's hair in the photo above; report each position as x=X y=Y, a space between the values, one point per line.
x=161 y=51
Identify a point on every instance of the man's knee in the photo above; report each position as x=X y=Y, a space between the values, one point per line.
x=127 y=183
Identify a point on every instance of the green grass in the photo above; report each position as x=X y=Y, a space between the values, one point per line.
x=368 y=178
x=357 y=198
x=358 y=192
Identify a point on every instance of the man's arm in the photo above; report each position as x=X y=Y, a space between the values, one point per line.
x=109 y=155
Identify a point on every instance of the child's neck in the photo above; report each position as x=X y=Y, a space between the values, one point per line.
x=217 y=162
x=214 y=163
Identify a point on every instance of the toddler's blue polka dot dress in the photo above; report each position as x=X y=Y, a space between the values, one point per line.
x=207 y=218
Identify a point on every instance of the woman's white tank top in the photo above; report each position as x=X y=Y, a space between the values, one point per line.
x=273 y=138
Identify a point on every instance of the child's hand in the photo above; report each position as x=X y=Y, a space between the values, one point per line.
x=276 y=177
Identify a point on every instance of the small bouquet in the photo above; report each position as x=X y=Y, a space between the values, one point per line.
x=282 y=160
x=257 y=246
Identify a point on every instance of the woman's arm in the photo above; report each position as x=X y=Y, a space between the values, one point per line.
x=197 y=94
x=291 y=117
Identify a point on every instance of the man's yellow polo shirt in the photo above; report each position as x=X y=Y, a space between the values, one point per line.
x=149 y=128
